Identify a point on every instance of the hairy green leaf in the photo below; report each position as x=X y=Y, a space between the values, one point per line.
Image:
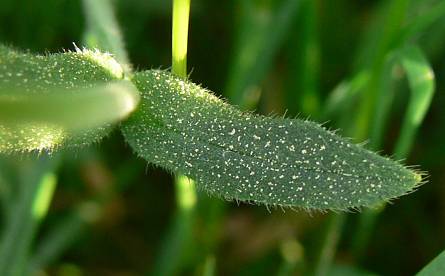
x=275 y=161
x=67 y=99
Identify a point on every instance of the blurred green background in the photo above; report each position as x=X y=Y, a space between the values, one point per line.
x=335 y=62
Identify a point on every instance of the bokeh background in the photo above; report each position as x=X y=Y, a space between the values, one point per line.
x=114 y=214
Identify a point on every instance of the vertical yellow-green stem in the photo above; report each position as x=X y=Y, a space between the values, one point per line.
x=181 y=11
x=43 y=196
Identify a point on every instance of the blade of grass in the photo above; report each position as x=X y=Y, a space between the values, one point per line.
x=393 y=14
x=209 y=266
x=421 y=22
x=103 y=30
x=292 y=258
x=329 y=244
x=260 y=35
x=422 y=85
x=181 y=11
x=80 y=220
x=383 y=102
x=62 y=236
x=303 y=95
x=39 y=183
x=179 y=234
x=395 y=35
x=8 y=191
x=342 y=96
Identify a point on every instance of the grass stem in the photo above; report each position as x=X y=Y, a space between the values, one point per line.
x=329 y=245
x=103 y=30
x=181 y=11
x=39 y=183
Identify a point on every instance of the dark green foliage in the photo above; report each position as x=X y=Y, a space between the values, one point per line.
x=288 y=162
x=110 y=210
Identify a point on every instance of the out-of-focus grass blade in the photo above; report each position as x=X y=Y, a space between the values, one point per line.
x=385 y=96
x=389 y=34
x=7 y=189
x=381 y=39
x=303 y=95
x=435 y=268
x=260 y=34
x=209 y=266
x=179 y=235
x=31 y=207
x=62 y=235
x=331 y=238
x=348 y=270
x=421 y=22
x=340 y=98
x=422 y=85
x=103 y=30
x=343 y=94
x=292 y=258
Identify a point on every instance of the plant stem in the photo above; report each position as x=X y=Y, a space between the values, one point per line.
x=185 y=188
x=103 y=30
x=303 y=94
x=209 y=266
x=292 y=258
x=39 y=183
x=261 y=31
x=181 y=11
x=330 y=242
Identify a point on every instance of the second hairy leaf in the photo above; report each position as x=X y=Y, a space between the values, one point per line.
x=274 y=161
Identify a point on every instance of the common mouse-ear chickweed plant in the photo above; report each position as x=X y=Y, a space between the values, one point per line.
x=72 y=99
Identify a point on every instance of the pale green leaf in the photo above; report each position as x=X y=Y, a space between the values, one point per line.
x=67 y=99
